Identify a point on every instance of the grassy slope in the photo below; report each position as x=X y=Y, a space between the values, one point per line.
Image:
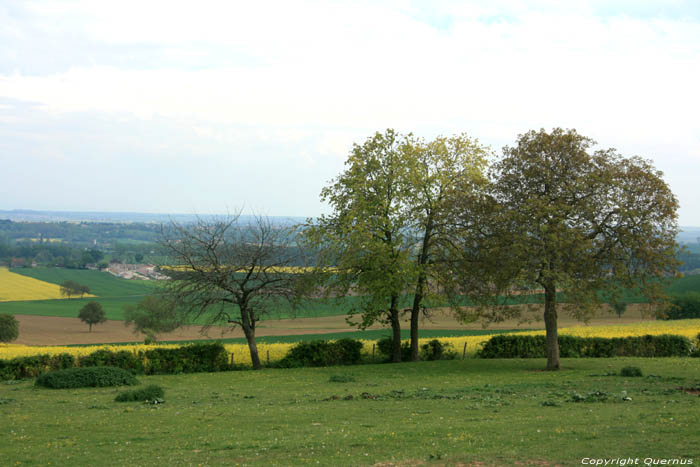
x=429 y=412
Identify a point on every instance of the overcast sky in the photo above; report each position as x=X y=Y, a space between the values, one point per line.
x=205 y=107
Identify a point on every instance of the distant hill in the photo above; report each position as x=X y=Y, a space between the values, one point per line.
x=27 y=215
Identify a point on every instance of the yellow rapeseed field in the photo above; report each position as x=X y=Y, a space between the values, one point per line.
x=688 y=328
x=16 y=287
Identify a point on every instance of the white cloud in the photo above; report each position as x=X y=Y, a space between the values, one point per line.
x=316 y=76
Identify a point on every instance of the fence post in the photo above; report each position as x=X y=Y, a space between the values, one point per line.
x=373 y=351
x=268 y=358
x=464 y=352
x=231 y=358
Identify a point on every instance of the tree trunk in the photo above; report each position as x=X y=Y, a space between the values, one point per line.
x=550 y=323
x=415 y=314
x=396 y=330
x=420 y=288
x=248 y=326
x=90 y=327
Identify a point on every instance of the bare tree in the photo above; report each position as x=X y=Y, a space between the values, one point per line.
x=225 y=271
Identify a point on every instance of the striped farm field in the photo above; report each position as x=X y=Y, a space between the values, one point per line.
x=16 y=287
x=468 y=344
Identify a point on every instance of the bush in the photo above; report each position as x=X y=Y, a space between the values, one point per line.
x=631 y=371
x=384 y=346
x=323 y=353
x=149 y=393
x=436 y=350
x=89 y=377
x=193 y=358
x=517 y=346
x=31 y=367
x=9 y=328
x=685 y=307
x=121 y=359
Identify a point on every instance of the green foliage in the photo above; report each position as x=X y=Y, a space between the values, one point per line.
x=9 y=328
x=87 y=377
x=619 y=308
x=436 y=350
x=686 y=306
x=323 y=353
x=385 y=348
x=71 y=288
x=92 y=313
x=149 y=393
x=586 y=223
x=631 y=371
x=121 y=359
x=194 y=358
x=516 y=346
x=31 y=367
x=152 y=315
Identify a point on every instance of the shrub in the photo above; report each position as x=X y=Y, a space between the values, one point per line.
x=149 y=393
x=436 y=350
x=9 y=328
x=384 y=346
x=31 y=367
x=193 y=358
x=122 y=359
x=323 y=353
x=685 y=307
x=518 y=346
x=631 y=371
x=89 y=377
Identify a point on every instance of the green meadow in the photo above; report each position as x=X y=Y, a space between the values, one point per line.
x=481 y=412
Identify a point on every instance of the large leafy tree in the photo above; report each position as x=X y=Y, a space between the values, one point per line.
x=366 y=237
x=92 y=313
x=231 y=273
x=153 y=315
x=390 y=219
x=439 y=172
x=578 y=224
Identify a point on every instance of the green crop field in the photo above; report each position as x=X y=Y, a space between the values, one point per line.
x=102 y=284
x=490 y=412
x=113 y=307
x=115 y=293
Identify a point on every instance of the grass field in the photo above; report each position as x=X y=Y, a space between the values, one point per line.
x=491 y=412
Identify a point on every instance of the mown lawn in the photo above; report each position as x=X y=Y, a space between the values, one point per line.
x=414 y=413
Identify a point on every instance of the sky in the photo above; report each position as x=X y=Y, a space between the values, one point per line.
x=209 y=107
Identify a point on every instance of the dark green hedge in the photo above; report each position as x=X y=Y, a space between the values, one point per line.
x=88 y=377
x=518 y=346
x=31 y=367
x=187 y=359
x=323 y=353
x=685 y=307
